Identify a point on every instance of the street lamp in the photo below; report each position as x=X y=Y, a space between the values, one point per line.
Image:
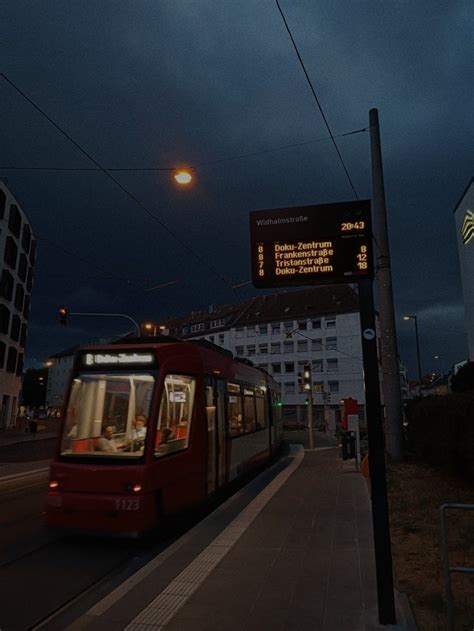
x=415 y=319
x=183 y=177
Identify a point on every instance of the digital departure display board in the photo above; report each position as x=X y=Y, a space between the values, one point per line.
x=324 y=244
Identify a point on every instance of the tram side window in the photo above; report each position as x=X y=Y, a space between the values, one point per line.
x=260 y=406
x=174 y=418
x=234 y=409
x=249 y=410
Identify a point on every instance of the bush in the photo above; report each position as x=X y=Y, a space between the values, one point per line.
x=441 y=432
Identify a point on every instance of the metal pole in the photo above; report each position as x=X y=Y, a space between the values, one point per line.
x=388 y=336
x=418 y=353
x=378 y=482
x=310 y=413
x=110 y=315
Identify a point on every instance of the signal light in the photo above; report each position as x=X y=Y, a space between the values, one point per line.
x=307 y=377
x=53 y=484
x=63 y=312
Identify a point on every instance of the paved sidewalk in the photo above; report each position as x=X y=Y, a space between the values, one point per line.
x=298 y=557
x=13 y=438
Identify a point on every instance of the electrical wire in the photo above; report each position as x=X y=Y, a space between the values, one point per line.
x=316 y=99
x=156 y=219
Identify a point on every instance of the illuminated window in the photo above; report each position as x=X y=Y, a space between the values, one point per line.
x=330 y=323
x=316 y=323
x=263 y=349
x=318 y=387
x=276 y=328
x=275 y=348
x=332 y=365
x=234 y=409
x=333 y=386
x=288 y=347
x=174 y=419
x=302 y=346
x=316 y=345
x=331 y=344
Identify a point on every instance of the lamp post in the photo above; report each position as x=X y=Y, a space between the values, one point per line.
x=415 y=319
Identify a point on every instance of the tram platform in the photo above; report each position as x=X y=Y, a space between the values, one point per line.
x=292 y=551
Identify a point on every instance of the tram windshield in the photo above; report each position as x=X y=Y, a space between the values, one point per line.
x=107 y=415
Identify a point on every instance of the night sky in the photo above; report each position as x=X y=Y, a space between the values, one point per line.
x=165 y=83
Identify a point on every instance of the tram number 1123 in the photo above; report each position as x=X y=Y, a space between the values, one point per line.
x=127 y=503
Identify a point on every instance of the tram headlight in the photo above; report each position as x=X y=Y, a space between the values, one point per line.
x=53 y=484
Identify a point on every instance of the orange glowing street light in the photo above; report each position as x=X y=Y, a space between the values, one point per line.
x=183 y=177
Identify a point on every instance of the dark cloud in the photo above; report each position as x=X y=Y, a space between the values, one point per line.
x=162 y=83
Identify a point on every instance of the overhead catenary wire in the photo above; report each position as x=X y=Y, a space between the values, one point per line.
x=129 y=194
x=316 y=99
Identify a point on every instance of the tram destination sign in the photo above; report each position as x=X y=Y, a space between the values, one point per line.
x=306 y=245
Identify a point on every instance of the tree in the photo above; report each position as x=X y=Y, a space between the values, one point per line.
x=33 y=391
x=463 y=380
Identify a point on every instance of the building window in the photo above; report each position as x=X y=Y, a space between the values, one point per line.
x=251 y=350
x=302 y=325
x=221 y=338
x=22 y=267
x=263 y=367
x=184 y=330
x=11 y=252
x=23 y=335
x=330 y=323
x=197 y=327
x=331 y=344
x=318 y=387
x=263 y=329
x=239 y=351
x=3 y=350
x=288 y=324
x=302 y=346
x=316 y=323
x=26 y=307
x=276 y=369
x=332 y=365
x=263 y=349
x=275 y=348
x=333 y=386
x=3 y=200
x=14 y=221
x=4 y=319
x=19 y=365
x=276 y=328
x=288 y=347
x=289 y=366
x=26 y=238
x=6 y=285
x=216 y=323
x=250 y=331
x=15 y=328
x=317 y=365
x=316 y=345
x=239 y=332
x=289 y=387
x=29 y=280
x=11 y=359
x=19 y=297
x=211 y=339
x=33 y=252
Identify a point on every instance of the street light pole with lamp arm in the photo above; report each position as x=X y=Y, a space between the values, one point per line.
x=415 y=318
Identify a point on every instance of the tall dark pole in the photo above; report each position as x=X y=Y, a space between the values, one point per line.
x=418 y=352
x=377 y=471
x=388 y=335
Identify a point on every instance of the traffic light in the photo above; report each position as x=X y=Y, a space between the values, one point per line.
x=307 y=377
x=63 y=312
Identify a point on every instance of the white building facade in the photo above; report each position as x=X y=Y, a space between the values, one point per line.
x=464 y=219
x=17 y=260
x=282 y=333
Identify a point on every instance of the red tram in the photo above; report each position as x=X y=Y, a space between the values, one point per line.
x=153 y=428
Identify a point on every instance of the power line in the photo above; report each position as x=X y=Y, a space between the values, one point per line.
x=199 y=165
x=316 y=99
x=168 y=230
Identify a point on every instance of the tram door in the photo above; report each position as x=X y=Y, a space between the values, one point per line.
x=216 y=444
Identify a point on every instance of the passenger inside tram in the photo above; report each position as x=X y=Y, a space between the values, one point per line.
x=108 y=443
